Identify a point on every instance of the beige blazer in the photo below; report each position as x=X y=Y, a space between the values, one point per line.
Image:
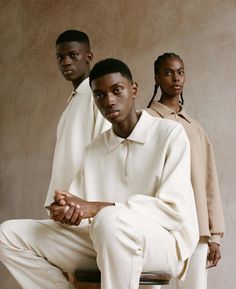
x=203 y=173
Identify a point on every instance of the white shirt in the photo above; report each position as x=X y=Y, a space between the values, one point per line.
x=79 y=124
x=149 y=171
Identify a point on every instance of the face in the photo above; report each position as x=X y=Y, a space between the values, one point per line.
x=114 y=96
x=74 y=61
x=171 y=77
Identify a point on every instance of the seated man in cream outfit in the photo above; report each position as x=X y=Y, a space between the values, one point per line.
x=132 y=207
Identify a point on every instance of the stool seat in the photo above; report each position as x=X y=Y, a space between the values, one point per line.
x=146 y=278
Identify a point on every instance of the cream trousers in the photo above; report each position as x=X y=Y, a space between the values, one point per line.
x=196 y=275
x=118 y=241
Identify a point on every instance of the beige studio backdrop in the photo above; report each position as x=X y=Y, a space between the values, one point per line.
x=33 y=93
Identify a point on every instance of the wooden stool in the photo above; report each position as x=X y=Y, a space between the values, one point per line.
x=146 y=278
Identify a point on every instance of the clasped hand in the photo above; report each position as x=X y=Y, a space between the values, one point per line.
x=70 y=209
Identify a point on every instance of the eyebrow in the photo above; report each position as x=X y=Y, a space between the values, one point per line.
x=114 y=85
x=70 y=51
x=165 y=69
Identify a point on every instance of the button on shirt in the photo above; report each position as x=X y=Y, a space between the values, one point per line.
x=149 y=171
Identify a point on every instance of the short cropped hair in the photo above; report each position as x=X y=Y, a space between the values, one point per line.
x=110 y=65
x=73 y=35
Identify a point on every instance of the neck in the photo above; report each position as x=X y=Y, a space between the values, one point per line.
x=171 y=102
x=77 y=82
x=124 y=128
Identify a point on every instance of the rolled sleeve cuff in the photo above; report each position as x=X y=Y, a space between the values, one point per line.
x=216 y=239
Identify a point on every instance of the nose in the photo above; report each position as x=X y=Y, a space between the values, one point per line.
x=175 y=77
x=66 y=60
x=110 y=100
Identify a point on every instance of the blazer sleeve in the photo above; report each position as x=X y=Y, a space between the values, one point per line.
x=214 y=204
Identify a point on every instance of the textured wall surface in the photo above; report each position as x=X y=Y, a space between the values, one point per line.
x=33 y=93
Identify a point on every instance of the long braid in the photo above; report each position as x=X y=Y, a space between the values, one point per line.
x=154 y=94
x=181 y=99
x=157 y=65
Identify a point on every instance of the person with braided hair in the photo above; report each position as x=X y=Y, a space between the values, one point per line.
x=170 y=77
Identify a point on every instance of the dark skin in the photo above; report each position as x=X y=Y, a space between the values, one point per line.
x=171 y=78
x=114 y=95
x=74 y=61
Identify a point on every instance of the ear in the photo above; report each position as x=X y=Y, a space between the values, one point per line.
x=89 y=57
x=134 y=89
x=157 y=79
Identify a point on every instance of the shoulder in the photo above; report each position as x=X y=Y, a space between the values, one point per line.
x=153 y=112
x=98 y=143
x=83 y=91
x=165 y=128
x=200 y=131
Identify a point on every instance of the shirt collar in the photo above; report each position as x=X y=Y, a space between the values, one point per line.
x=165 y=111
x=138 y=135
x=84 y=85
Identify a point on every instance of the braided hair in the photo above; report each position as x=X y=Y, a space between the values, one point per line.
x=157 y=65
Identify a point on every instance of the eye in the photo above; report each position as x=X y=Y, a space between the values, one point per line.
x=181 y=72
x=98 y=95
x=73 y=55
x=118 y=90
x=59 y=57
x=167 y=73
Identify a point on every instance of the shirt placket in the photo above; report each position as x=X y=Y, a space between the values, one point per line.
x=127 y=153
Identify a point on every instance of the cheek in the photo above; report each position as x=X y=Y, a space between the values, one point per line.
x=99 y=105
x=59 y=65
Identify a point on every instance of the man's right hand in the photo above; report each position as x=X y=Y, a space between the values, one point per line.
x=70 y=209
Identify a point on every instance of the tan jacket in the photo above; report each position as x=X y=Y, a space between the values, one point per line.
x=203 y=173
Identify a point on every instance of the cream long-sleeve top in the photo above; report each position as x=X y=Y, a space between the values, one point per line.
x=80 y=122
x=149 y=171
x=203 y=173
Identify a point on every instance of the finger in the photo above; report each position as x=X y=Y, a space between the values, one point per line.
x=61 y=202
x=75 y=214
x=213 y=258
x=58 y=193
x=70 y=212
x=211 y=255
x=217 y=258
x=79 y=219
x=59 y=209
x=60 y=215
x=67 y=194
x=210 y=265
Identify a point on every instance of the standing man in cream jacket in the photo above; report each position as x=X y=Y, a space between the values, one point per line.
x=81 y=121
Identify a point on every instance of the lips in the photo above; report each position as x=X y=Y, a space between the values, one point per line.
x=112 y=113
x=67 y=72
x=177 y=87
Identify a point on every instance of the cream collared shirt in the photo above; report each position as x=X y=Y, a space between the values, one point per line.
x=79 y=124
x=149 y=171
x=203 y=173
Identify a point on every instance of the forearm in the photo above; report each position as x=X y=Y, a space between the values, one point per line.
x=95 y=207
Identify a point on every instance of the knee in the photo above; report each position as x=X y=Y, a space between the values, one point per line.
x=106 y=223
x=7 y=229
x=114 y=225
x=6 y=232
